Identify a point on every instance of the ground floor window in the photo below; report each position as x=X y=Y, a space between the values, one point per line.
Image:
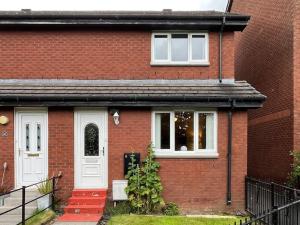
x=185 y=133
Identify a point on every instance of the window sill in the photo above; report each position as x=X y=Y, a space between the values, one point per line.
x=185 y=154
x=179 y=64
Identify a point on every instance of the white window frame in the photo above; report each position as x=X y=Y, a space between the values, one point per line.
x=196 y=153
x=190 y=61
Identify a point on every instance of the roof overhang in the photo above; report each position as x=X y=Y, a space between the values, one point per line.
x=142 y=20
x=129 y=93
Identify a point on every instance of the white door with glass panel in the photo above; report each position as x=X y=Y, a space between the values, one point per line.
x=90 y=149
x=31 y=146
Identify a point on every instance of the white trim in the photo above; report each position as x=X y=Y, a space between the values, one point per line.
x=190 y=61
x=187 y=154
x=196 y=153
x=17 y=112
x=101 y=110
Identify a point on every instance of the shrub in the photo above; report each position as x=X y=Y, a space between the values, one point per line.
x=171 y=209
x=121 y=208
x=45 y=187
x=144 y=188
x=293 y=179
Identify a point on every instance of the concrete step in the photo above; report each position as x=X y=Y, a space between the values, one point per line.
x=18 y=201
x=30 y=193
x=89 y=193
x=10 y=219
x=84 y=209
x=81 y=200
x=28 y=210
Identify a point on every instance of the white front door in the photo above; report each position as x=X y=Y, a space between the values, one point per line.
x=31 y=146
x=90 y=149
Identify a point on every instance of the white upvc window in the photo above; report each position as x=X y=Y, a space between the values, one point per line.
x=180 y=48
x=184 y=134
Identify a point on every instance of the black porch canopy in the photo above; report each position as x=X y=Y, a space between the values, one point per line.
x=129 y=93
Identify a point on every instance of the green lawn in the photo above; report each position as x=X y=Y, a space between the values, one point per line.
x=169 y=220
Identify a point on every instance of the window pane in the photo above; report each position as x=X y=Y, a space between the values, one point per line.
x=179 y=47
x=162 y=130
x=38 y=131
x=184 y=131
x=161 y=47
x=91 y=140
x=27 y=137
x=198 y=47
x=206 y=131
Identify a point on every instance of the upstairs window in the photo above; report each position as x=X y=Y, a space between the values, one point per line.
x=180 y=48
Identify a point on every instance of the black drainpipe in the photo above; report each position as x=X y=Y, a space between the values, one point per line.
x=229 y=154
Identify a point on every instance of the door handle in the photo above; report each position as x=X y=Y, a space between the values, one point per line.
x=19 y=151
x=103 y=151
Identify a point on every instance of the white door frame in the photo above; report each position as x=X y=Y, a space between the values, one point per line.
x=17 y=112
x=76 y=142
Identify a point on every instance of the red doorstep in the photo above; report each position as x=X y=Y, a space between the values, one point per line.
x=85 y=205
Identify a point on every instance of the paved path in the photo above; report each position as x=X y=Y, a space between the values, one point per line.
x=74 y=223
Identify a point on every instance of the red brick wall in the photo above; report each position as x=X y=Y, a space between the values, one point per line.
x=195 y=184
x=61 y=148
x=296 y=88
x=264 y=57
x=98 y=55
x=7 y=147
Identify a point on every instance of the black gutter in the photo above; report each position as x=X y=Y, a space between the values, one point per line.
x=229 y=154
x=42 y=101
x=140 y=20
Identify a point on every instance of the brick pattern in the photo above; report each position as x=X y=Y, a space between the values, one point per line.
x=7 y=147
x=264 y=57
x=195 y=184
x=296 y=80
x=61 y=148
x=98 y=54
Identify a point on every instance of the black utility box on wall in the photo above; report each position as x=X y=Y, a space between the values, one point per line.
x=127 y=160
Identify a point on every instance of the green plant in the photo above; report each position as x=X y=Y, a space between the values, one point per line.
x=144 y=188
x=121 y=208
x=293 y=178
x=171 y=209
x=45 y=187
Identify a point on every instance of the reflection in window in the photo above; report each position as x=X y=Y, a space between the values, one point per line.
x=184 y=131
x=206 y=131
x=162 y=130
x=91 y=140
x=198 y=47
x=161 y=47
x=179 y=47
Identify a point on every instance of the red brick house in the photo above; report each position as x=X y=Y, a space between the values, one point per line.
x=80 y=89
x=267 y=56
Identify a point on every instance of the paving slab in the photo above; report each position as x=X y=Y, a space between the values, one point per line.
x=74 y=223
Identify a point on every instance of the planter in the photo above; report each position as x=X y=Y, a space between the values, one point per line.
x=2 y=198
x=44 y=202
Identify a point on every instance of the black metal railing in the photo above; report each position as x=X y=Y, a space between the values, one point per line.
x=288 y=214
x=264 y=196
x=51 y=193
